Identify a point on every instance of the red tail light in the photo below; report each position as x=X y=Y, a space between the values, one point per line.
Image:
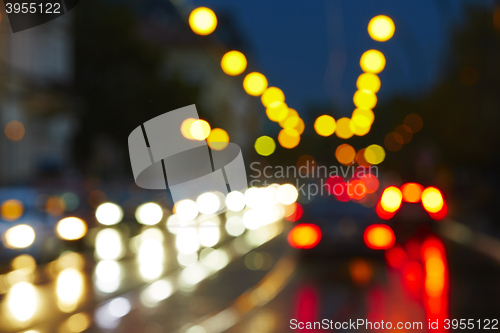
x=379 y=237
x=304 y=236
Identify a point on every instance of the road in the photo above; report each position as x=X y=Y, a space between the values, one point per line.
x=253 y=283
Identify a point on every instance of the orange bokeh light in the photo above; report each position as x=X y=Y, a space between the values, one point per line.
x=412 y=192
x=304 y=236
x=379 y=237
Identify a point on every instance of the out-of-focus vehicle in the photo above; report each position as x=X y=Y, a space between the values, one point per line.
x=24 y=228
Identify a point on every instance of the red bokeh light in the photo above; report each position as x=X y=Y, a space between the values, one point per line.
x=297 y=213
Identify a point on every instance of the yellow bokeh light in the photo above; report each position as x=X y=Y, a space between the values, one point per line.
x=391 y=199
x=343 y=128
x=374 y=154
x=277 y=111
x=360 y=125
x=368 y=81
x=325 y=125
x=345 y=154
x=12 y=209
x=233 y=63
x=218 y=139
x=291 y=113
x=265 y=145
x=432 y=200
x=291 y=122
x=372 y=61
x=70 y=286
x=271 y=95
x=186 y=128
x=288 y=138
x=381 y=28
x=202 y=21
x=23 y=261
x=200 y=129
x=78 y=322
x=71 y=228
x=368 y=114
x=365 y=99
x=14 y=130
x=300 y=127
x=255 y=83
x=22 y=300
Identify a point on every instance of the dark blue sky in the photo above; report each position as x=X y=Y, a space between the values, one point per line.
x=311 y=49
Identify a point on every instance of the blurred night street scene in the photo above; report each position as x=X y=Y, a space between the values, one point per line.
x=209 y=166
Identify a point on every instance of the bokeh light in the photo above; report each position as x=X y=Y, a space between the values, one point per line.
x=14 y=130
x=325 y=125
x=149 y=213
x=235 y=201
x=202 y=21
x=19 y=236
x=109 y=213
x=381 y=28
x=365 y=99
x=368 y=114
x=412 y=192
x=71 y=228
x=391 y=199
x=372 y=61
x=233 y=63
x=218 y=139
x=208 y=203
x=358 y=126
x=78 y=322
x=405 y=132
x=186 y=209
x=374 y=154
x=379 y=237
x=108 y=244
x=277 y=111
x=290 y=122
x=186 y=128
x=272 y=94
x=361 y=271
x=12 y=209
x=432 y=199
x=293 y=212
x=265 y=145
x=414 y=122
x=287 y=194
x=200 y=129
x=343 y=130
x=291 y=113
x=288 y=138
x=255 y=83
x=345 y=154
x=368 y=81
x=55 y=205
x=22 y=301
x=393 y=142
x=304 y=236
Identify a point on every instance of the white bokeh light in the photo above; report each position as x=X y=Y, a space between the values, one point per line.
x=149 y=213
x=186 y=210
x=235 y=201
x=109 y=213
x=287 y=194
x=208 y=203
